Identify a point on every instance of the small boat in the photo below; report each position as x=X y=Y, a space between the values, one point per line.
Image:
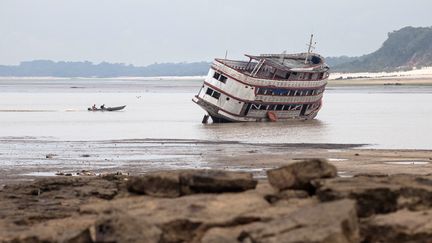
x=116 y=108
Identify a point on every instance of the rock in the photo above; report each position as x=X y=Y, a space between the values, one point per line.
x=68 y=230
x=123 y=227
x=286 y=195
x=81 y=237
x=400 y=226
x=327 y=222
x=186 y=218
x=280 y=209
x=51 y=198
x=215 y=181
x=159 y=184
x=300 y=174
x=379 y=194
x=178 y=183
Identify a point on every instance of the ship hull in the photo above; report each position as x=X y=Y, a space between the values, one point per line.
x=220 y=116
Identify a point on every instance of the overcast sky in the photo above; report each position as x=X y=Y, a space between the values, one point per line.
x=142 y=32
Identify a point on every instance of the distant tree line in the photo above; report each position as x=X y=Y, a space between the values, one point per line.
x=42 y=68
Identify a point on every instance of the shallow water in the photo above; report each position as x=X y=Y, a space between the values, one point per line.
x=385 y=117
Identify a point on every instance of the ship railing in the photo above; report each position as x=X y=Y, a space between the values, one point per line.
x=281 y=114
x=265 y=82
x=288 y=99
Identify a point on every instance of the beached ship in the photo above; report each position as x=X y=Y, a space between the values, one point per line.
x=268 y=87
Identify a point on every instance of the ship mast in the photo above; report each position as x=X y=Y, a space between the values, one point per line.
x=310 y=47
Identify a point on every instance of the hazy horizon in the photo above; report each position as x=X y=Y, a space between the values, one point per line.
x=160 y=31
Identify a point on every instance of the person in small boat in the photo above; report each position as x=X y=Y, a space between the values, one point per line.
x=102 y=106
x=94 y=107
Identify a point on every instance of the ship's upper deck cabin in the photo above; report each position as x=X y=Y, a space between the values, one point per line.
x=301 y=66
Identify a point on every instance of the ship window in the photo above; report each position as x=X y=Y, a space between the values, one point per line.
x=223 y=79
x=220 y=77
x=278 y=91
x=216 y=95
x=263 y=107
x=216 y=76
x=213 y=93
x=279 y=107
x=287 y=92
x=271 y=107
x=209 y=91
x=227 y=98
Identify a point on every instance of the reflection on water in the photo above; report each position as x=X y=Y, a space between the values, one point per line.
x=385 y=117
x=278 y=132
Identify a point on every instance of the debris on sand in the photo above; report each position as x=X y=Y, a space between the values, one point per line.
x=50 y=156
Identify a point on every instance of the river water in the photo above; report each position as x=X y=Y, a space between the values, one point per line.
x=397 y=117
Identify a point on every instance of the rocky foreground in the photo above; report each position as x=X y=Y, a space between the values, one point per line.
x=300 y=202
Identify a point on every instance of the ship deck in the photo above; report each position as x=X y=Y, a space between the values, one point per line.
x=276 y=66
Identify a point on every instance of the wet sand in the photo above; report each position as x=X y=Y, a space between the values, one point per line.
x=23 y=159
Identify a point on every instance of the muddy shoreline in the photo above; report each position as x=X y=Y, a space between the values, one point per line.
x=45 y=157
